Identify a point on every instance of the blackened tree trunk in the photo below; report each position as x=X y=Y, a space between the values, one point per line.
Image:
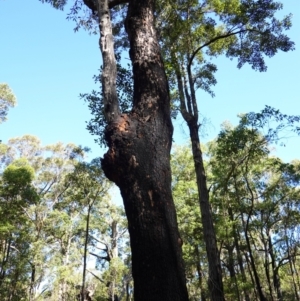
x=138 y=161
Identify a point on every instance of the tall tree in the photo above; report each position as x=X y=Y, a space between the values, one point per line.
x=7 y=100
x=16 y=195
x=87 y=186
x=185 y=195
x=254 y=191
x=199 y=30
x=139 y=141
x=138 y=159
x=247 y=30
x=29 y=214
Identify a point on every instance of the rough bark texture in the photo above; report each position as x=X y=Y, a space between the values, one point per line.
x=138 y=161
x=109 y=72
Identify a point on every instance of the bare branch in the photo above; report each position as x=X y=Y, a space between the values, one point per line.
x=95 y=276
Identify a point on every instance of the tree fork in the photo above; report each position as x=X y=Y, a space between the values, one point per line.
x=138 y=161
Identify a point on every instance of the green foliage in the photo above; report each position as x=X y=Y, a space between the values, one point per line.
x=192 y=32
x=58 y=4
x=19 y=173
x=255 y=197
x=185 y=195
x=124 y=83
x=7 y=100
x=272 y=122
x=44 y=195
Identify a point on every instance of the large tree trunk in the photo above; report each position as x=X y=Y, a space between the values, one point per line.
x=138 y=161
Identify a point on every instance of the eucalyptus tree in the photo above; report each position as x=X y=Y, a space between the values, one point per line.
x=88 y=186
x=109 y=246
x=50 y=165
x=17 y=194
x=255 y=209
x=191 y=32
x=256 y=193
x=138 y=159
x=185 y=194
x=7 y=100
x=248 y=30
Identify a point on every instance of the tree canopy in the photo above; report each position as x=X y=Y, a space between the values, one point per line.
x=7 y=100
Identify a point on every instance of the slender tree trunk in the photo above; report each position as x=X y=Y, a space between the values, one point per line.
x=275 y=269
x=267 y=247
x=200 y=275
x=85 y=252
x=233 y=279
x=292 y=267
x=215 y=283
x=189 y=111
x=113 y=253
x=138 y=161
x=252 y=262
x=32 y=282
x=65 y=253
x=238 y=253
x=6 y=254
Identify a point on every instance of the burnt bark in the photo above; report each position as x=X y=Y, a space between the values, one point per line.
x=138 y=161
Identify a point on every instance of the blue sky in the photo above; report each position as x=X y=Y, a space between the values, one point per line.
x=48 y=65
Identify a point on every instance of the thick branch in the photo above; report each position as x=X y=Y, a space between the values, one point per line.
x=114 y=3
x=107 y=258
x=92 y=4
x=186 y=115
x=193 y=94
x=109 y=72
